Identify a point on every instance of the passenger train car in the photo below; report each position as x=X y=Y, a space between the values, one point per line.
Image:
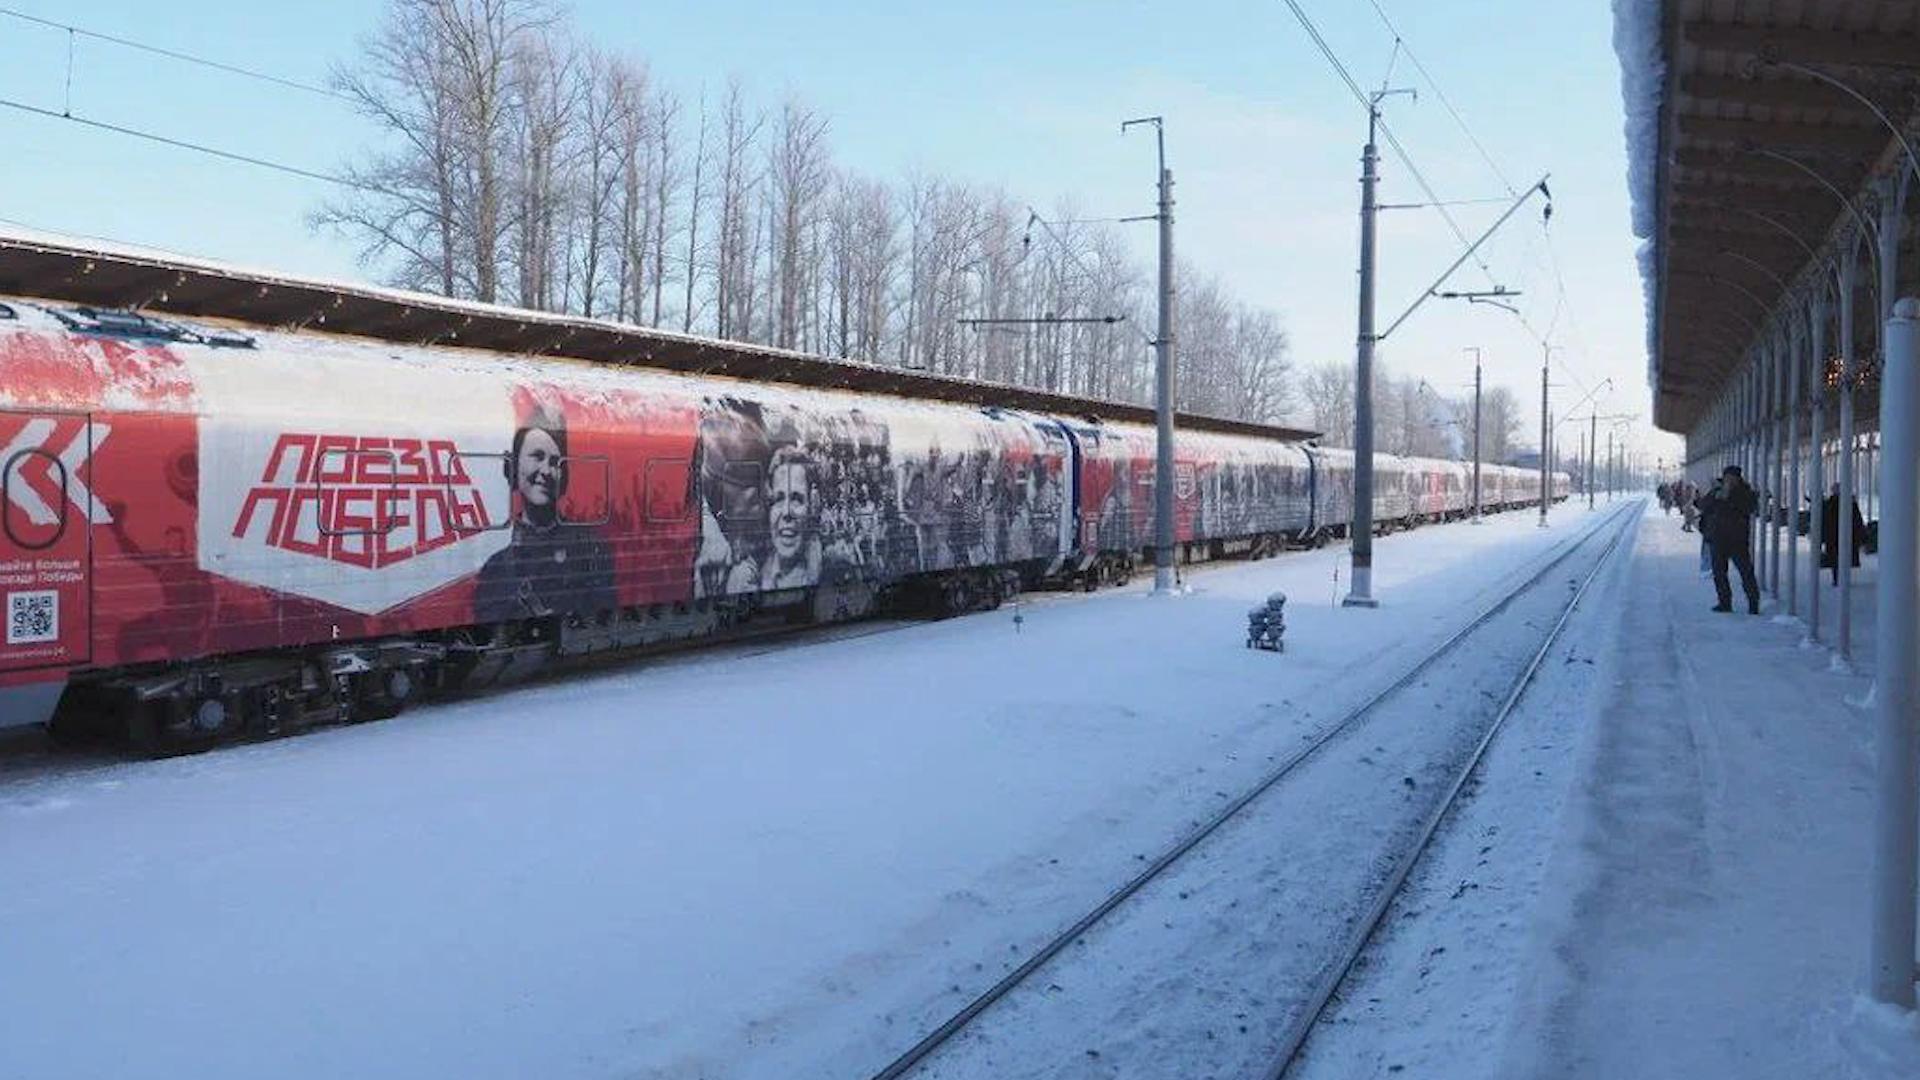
x=207 y=529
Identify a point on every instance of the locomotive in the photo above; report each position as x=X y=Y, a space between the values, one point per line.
x=216 y=521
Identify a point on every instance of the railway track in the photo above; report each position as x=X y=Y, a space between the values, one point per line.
x=1365 y=916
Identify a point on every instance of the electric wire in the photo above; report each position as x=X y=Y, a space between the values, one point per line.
x=1561 y=304
x=1445 y=103
x=172 y=54
x=1400 y=151
x=201 y=148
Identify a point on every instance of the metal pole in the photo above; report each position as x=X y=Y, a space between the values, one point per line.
x=1762 y=477
x=1794 y=363
x=1777 y=460
x=1593 y=439
x=1163 y=362
x=1612 y=479
x=1163 y=578
x=1817 y=329
x=1843 y=512
x=1897 y=704
x=1546 y=426
x=1476 y=436
x=1361 y=532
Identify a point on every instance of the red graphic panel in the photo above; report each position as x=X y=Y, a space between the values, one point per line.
x=45 y=508
x=602 y=514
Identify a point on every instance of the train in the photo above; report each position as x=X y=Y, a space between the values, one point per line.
x=212 y=527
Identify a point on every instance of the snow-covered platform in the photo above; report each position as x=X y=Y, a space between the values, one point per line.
x=1706 y=903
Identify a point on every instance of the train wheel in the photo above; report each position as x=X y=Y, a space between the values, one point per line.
x=163 y=728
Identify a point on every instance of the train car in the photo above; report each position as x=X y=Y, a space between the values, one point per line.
x=1332 y=492
x=205 y=531
x=1399 y=489
x=1233 y=495
x=1438 y=490
x=1254 y=495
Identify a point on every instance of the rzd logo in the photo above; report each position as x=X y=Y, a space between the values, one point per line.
x=42 y=464
x=361 y=500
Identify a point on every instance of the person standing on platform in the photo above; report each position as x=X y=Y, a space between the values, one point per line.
x=1830 y=532
x=1699 y=506
x=1727 y=521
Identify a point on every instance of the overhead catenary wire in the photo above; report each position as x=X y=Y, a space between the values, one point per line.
x=1034 y=218
x=73 y=31
x=1400 y=46
x=201 y=148
x=1562 y=304
x=1393 y=141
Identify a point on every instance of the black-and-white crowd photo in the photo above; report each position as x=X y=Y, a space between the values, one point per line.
x=794 y=494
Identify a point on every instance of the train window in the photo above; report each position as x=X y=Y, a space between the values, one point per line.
x=668 y=498
x=589 y=483
x=472 y=465
x=227 y=339
x=7 y=312
x=350 y=471
x=28 y=535
x=745 y=477
x=585 y=481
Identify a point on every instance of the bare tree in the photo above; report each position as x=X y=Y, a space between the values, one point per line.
x=734 y=248
x=606 y=123
x=667 y=178
x=436 y=75
x=797 y=166
x=1263 y=366
x=518 y=156
x=1328 y=390
x=691 y=266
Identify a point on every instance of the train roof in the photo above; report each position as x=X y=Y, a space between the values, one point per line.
x=101 y=273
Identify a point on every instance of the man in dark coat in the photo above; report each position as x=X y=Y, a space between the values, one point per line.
x=1830 y=532
x=1727 y=519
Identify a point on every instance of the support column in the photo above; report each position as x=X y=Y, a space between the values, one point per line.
x=1897 y=703
x=1843 y=512
x=1817 y=359
x=1777 y=459
x=1795 y=361
x=1763 y=478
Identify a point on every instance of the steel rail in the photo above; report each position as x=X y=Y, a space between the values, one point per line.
x=1301 y=1028
x=933 y=1040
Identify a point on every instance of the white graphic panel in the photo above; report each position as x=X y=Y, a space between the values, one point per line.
x=350 y=475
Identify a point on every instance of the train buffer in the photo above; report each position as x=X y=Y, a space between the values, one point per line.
x=1267 y=624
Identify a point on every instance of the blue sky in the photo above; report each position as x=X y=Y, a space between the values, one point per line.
x=1262 y=137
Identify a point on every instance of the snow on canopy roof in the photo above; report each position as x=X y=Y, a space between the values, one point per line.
x=1636 y=40
x=1730 y=154
x=106 y=274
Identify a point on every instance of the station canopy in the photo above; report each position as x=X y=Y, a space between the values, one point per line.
x=1741 y=155
x=104 y=275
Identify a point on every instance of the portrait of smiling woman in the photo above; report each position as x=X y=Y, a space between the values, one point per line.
x=551 y=565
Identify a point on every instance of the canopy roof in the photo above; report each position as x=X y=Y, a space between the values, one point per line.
x=1740 y=161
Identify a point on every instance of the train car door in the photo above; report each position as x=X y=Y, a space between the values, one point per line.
x=46 y=545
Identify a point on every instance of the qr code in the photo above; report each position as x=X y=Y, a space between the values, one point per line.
x=33 y=617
